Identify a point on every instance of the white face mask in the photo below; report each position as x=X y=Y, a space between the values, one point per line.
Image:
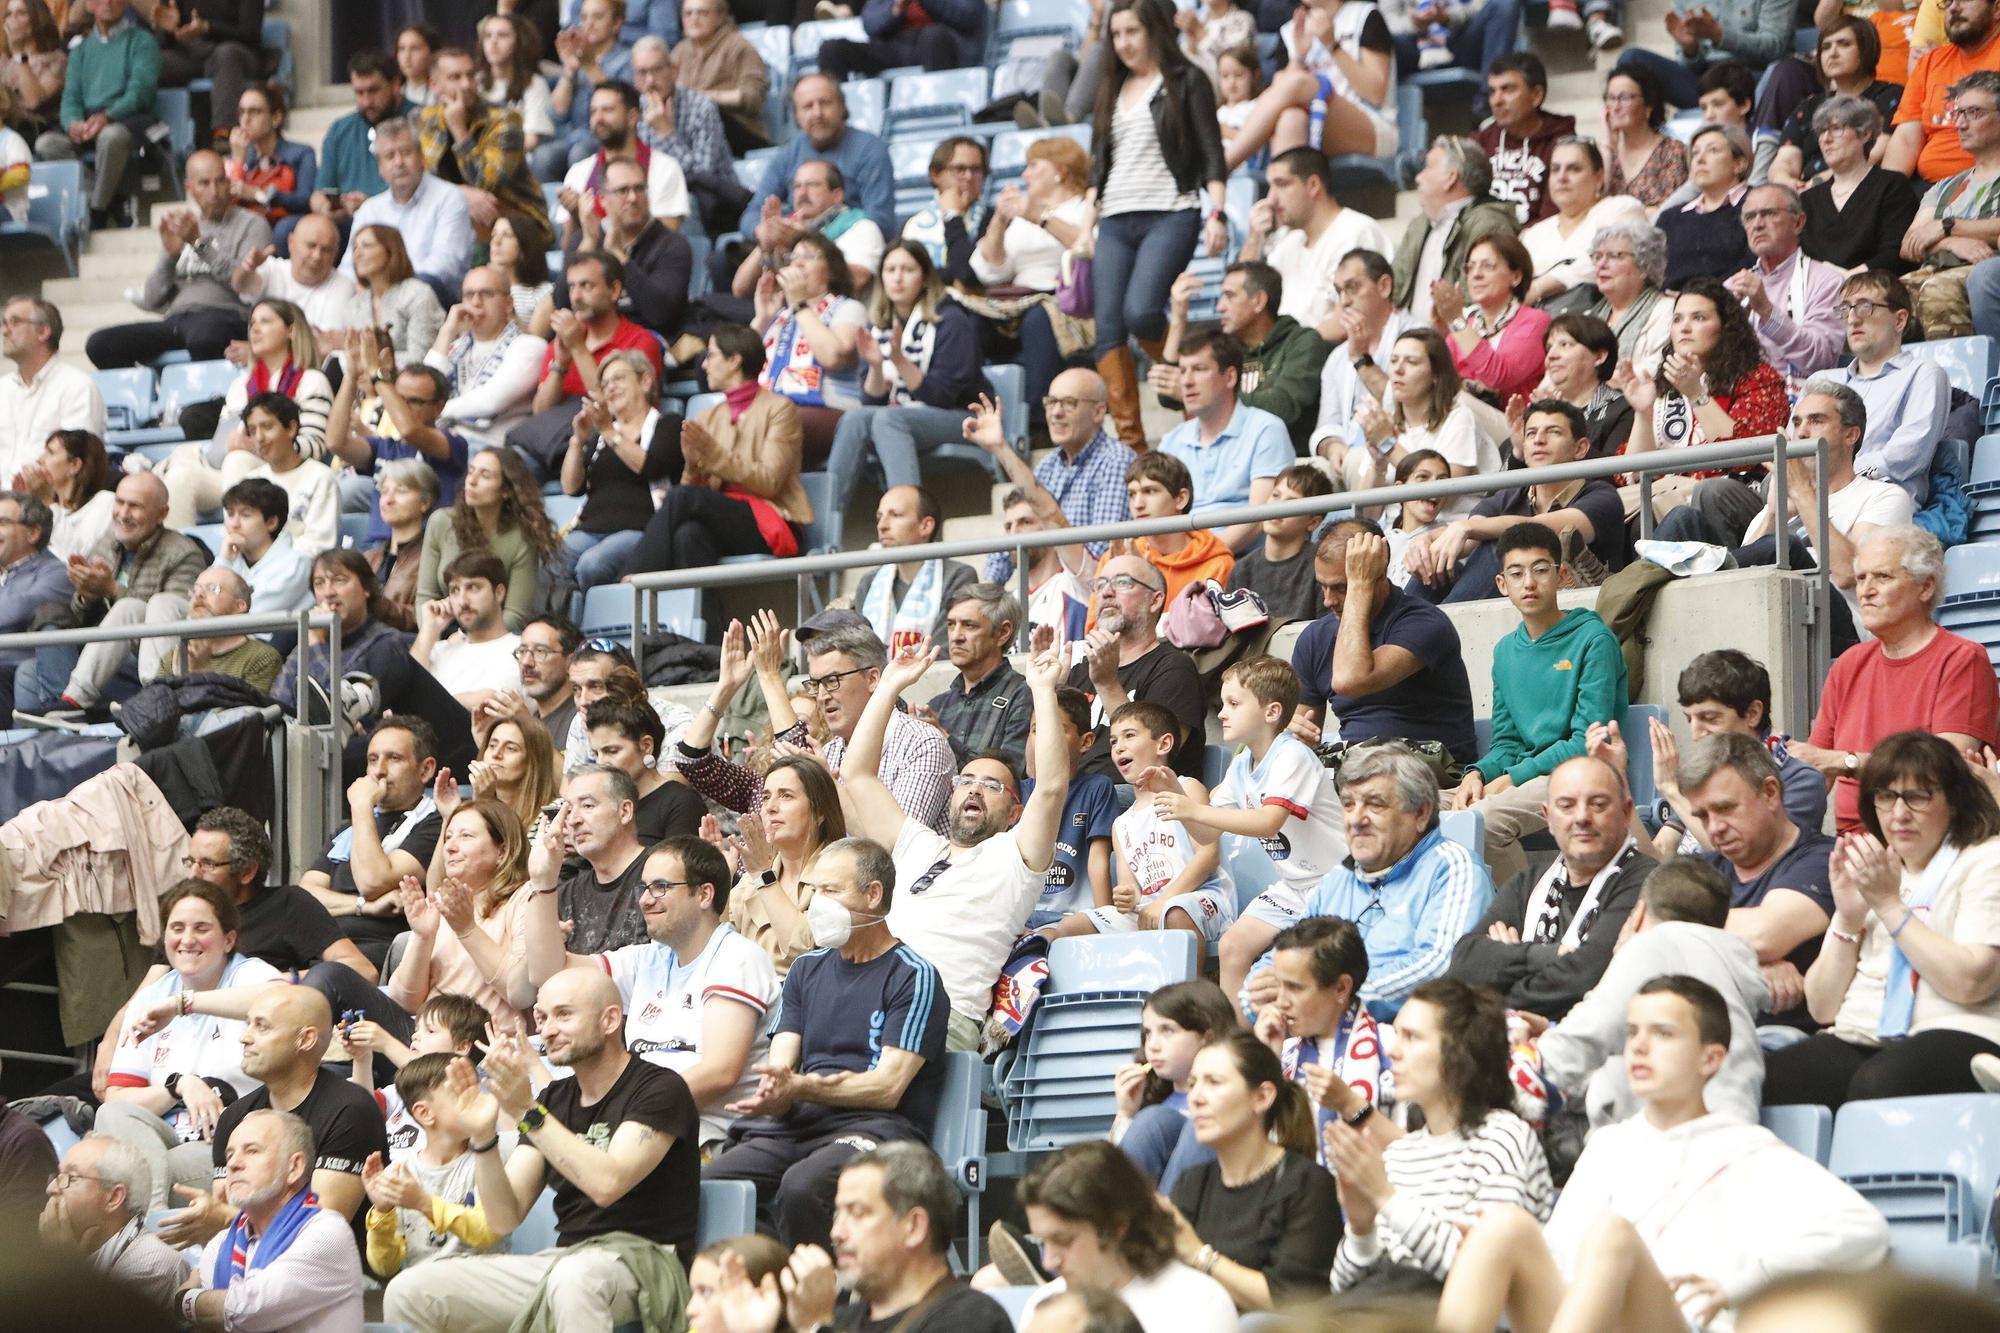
x=831 y=923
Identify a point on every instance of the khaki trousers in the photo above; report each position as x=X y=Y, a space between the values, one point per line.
x=1511 y=816
x=486 y=1293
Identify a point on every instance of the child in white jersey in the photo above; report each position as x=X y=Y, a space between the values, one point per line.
x=446 y=1025
x=425 y=1206
x=1167 y=879
x=1276 y=791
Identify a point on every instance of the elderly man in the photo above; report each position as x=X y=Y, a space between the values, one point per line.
x=109 y=94
x=31 y=576
x=1355 y=377
x=96 y=1210
x=987 y=706
x=1544 y=945
x=309 y=279
x=658 y=260
x=40 y=395
x=287 y=1258
x=348 y=173
x=1127 y=660
x=1955 y=228
x=687 y=126
x=820 y=112
x=431 y=215
x=616 y=1141
x=479 y=145
x=1083 y=476
x=201 y=250
x=1302 y=231
x=1452 y=191
x=1911 y=676
x=1413 y=893
x=819 y=203
x=908 y=601
x=490 y=364
x=1281 y=357
x=1791 y=299
x=1233 y=451
x=614 y=124
x=142 y=574
x=221 y=591
x=1907 y=396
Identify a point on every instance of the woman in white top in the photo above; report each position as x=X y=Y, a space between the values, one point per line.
x=284 y=358
x=1101 y=1225
x=519 y=249
x=168 y=1086
x=1336 y=94
x=271 y=421
x=73 y=478
x=1908 y=978
x=503 y=62
x=1426 y=411
x=1560 y=244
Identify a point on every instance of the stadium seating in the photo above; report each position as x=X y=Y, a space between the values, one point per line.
x=128 y=397
x=1930 y=1164
x=935 y=103
x=58 y=213
x=958 y=1137
x=728 y=1208
x=1807 y=1128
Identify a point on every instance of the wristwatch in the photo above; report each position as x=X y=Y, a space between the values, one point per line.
x=1852 y=762
x=1948 y=224
x=1359 y=1118
x=534 y=1118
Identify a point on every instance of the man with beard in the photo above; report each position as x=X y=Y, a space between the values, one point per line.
x=1925 y=138
x=617 y=219
x=546 y=695
x=580 y=337
x=1129 y=661
x=968 y=894
x=478 y=662
x=618 y=1141
x=614 y=120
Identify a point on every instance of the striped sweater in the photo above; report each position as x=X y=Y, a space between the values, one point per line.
x=1442 y=1181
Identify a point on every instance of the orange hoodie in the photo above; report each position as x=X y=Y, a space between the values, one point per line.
x=1205 y=557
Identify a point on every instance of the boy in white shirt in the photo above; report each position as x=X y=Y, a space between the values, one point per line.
x=446 y=1025
x=1672 y=1217
x=424 y=1206
x=1276 y=791
x=1166 y=878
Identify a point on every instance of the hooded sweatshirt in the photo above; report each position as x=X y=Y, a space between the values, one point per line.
x=1521 y=166
x=1281 y=375
x=1719 y=1199
x=1205 y=557
x=1582 y=1053
x=1547 y=692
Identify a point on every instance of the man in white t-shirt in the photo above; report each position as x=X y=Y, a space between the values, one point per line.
x=1355 y=375
x=697 y=993
x=310 y=279
x=479 y=661
x=1302 y=231
x=614 y=120
x=961 y=901
x=41 y=395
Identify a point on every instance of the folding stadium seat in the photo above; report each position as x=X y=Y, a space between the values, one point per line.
x=354 y=531
x=1982 y=488
x=1930 y=1164
x=1144 y=961
x=1467 y=828
x=910 y=159
x=1016 y=20
x=1971 y=604
x=1251 y=870
x=807 y=38
x=867 y=104
x=958 y=1137
x=1009 y=151
x=1970 y=362
x=561 y=509
x=728 y=1208
x=128 y=395
x=935 y=103
x=58 y=212
x=1807 y=1128
x=1972 y=570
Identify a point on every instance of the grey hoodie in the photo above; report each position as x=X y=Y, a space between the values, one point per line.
x=1582 y=1053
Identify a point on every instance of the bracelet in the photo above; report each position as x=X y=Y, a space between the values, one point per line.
x=710 y=706
x=1842 y=935
x=1908 y=916
x=1205 y=1258
x=188 y=1298
x=487 y=1146
x=187 y=1003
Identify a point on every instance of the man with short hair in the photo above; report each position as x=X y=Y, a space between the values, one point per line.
x=189 y=285
x=221 y=591
x=988 y=705
x=1544 y=945
x=950 y=226
x=546 y=695
x=1083 y=475
x=1304 y=233
x=820 y=112
x=1517 y=84
x=287 y=1258
x=1355 y=379
x=406 y=423
x=1907 y=396
x=581 y=337
x=616 y=1141
x=394 y=829
x=489 y=362
x=431 y=215
x=1958 y=220
x=614 y=124
x=477 y=145
x=348 y=174
x=658 y=261
x=1927 y=141
x=310 y=279
x=909 y=601
x=1912 y=675
x=40 y=395
x=686 y=125
x=1384 y=662
x=857 y=1058
x=258 y=550
x=601 y=897
x=30 y=575
x=844 y=662
x=819 y=203
x=1792 y=300
x=1457 y=210
x=1126 y=659
x=96 y=1210
x=967 y=892
x=110 y=91
x=480 y=658
x=1233 y=451
x=1459 y=562
x=1281 y=357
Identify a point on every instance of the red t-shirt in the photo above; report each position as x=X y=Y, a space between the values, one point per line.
x=1947 y=686
x=628 y=336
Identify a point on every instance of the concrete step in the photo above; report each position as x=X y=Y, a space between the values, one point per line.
x=127 y=268
x=80 y=319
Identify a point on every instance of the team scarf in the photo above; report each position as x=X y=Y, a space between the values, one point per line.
x=1544 y=913
x=466 y=378
x=1354 y=1053
x=1899 y=988
x=902 y=624
x=288 y=379
x=234 y=1258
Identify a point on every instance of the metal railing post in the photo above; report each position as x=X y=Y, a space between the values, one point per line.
x=1822 y=629
x=1023 y=634
x=1780 y=504
x=1645 y=506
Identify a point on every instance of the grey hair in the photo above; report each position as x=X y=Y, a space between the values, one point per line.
x=238 y=586
x=999 y=606
x=1469 y=161
x=857 y=642
x=622 y=787
x=1856 y=113
x=46 y=317
x=34 y=514
x=1733 y=135
x=1785 y=192
x=1416 y=784
x=635 y=360
x=120 y=1164
x=1979 y=81
x=1745 y=755
x=412 y=472
x=872 y=864
x=298 y=1135
x=913 y=1177
x=652 y=42
x=1649 y=246
x=1923 y=553
x=395 y=127
x=1853 y=412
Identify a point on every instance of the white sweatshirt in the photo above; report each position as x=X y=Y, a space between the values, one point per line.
x=1719 y=1199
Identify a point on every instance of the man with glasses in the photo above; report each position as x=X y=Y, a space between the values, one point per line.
x=1790 y=297
x=1907 y=396
x=220 y=591
x=820 y=112
x=614 y=123
x=1928 y=139
x=547 y=695
x=658 y=261
x=490 y=366
x=819 y=203
x=40 y=395
x=1958 y=221
x=951 y=224
x=1127 y=660
x=402 y=423
x=95 y=1209
x=1354 y=376
x=31 y=576
x=687 y=126
x=857 y=1060
x=967 y=892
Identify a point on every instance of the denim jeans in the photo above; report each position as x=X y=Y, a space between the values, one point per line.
x=1138 y=257
x=600 y=556
x=1983 y=290
x=895 y=436
x=1487 y=35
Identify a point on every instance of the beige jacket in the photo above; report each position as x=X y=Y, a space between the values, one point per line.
x=762 y=452
x=113 y=845
x=726 y=61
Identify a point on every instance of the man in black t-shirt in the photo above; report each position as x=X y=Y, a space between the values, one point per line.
x=1129 y=661
x=284 y=1037
x=619 y=1140
x=857 y=1059
x=394 y=830
x=601 y=900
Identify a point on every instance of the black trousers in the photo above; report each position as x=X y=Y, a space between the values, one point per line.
x=1823 y=1070
x=231 y=65
x=200 y=331
x=694 y=527
x=933 y=46
x=795 y=1173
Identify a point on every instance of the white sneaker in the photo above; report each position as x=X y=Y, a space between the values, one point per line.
x=1603 y=33
x=1563 y=16
x=1430 y=57
x=1986 y=1072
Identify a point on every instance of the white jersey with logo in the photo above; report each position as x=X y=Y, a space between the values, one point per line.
x=663 y=1005
x=1156 y=851
x=1311 y=841
x=193 y=1044
x=406 y=1136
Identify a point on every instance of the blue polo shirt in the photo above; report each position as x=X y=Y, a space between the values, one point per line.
x=1433 y=703
x=450 y=474
x=1254 y=444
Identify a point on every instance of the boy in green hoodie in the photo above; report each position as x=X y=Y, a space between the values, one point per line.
x=1553 y=677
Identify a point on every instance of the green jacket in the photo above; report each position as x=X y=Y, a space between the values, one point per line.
x=1547 y=692
x=118 y=75
x=1281 y=375
x=663 y=1287
x=1482 y=218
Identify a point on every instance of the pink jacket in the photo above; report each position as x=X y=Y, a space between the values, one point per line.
x=113 y=845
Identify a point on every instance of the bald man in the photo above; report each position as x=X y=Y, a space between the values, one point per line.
x=620 y=1138
x=286 y=1032
x=191 y=287
x=142 y=574
x=221 y=591
x=492 y=366
x=1126 y=660
x=310 y=278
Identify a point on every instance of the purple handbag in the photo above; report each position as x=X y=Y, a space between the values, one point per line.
x=1075 y=296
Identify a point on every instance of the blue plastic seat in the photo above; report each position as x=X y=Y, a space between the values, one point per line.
x=910 y=159
x=1971 y=570
x=1982 y=488
x=1467 y=828
x=562 y=509
x=958 y=1137
x=1215 y=761
x=60 y=1136
x=1010 y=383
x=1058 y=1091
x=1251 y=869
x=867 y=104
x=807 y=39
x=1014 y=1300
x=824 y=532
x=935 y=103
x=1806 y=1128
x=209 y=535
x=537 y=1231
x=1638 y=738
x=1930 y=1164
x=609 y=611
x=1018 y=19
x=175 y=108
x=1009 y=150
x=354 y=531
x=1970 y=362
x=128 y=395
x=186 y=382
x=58 y=212
x=698 y=282
x=728 y=1208
x=1142 y=961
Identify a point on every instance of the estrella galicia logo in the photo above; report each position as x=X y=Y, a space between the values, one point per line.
x=1278 y=847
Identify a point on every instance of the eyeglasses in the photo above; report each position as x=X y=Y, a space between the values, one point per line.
x=1850 y=309
x=991 y=785
x=827 y=684
x=483 y=293
x=1054 y=404
x=1536 y=572
x=1118 y=583
x=659 y=888
x=202 y=863
x=1917 y=798
x=64 y=1178
x=540 y=652
x=1609 y=256
x=205 y=589
x=1620 y=99
x=1961 y=114
x=615 y=190
x=967 y=168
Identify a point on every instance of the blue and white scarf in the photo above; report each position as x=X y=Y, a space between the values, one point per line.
x=1899 y=988
x=233 y=1260
x=901 y=624
x=1354 y=1054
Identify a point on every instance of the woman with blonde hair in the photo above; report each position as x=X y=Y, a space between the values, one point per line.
x=517 y=767
x=391 y=295
x=475 y=876
x=617 y=454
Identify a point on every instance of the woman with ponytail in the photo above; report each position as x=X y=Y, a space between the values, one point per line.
x=1262 y=1218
